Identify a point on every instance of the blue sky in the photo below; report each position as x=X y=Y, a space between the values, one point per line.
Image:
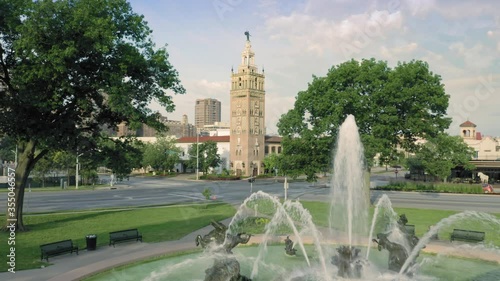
x=294 y=40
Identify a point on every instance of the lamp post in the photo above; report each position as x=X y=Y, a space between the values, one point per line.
x=197 y=155
x=77 y=169
x=15 y=157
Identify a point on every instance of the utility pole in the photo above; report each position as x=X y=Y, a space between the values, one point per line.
x=77 y=170
x=76 y=173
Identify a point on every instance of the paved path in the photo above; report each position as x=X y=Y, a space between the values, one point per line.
x=76 y=267
x=73 y=267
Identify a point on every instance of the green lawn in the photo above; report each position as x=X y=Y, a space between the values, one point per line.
x=163 y=223
x=155 y=224
x=422 y=219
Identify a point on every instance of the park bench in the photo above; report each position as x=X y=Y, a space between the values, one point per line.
x=410 y=229
x=467 y=235
x=57 y=248
x=124 y=235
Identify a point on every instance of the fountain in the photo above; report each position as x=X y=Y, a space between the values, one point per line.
x=347 y=240
x=289 y=249
x=215 y=237
x=402 y=244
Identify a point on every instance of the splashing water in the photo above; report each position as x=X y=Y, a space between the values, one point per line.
x=383 y=212
x=349 y=196
x=477 y=216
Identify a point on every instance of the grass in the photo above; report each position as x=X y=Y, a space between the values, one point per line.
x=155 y=224
x=433 y=187
x=422 y=219
x=163 y=223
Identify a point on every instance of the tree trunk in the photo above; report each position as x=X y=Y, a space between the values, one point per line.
x=25 y=164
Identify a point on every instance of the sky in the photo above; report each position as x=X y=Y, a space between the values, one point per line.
x=294 y=40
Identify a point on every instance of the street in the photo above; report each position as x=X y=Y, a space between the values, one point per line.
x=150 y=191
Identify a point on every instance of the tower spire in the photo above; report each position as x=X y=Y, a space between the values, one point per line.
x=247 y=133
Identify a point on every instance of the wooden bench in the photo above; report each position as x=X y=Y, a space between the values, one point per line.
x=124 y=235
x=57 y=248
x=467 y=235
x=410 y=229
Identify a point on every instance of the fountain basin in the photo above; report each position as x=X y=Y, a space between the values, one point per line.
x=280 y=267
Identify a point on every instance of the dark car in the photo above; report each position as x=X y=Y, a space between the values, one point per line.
x=487 y=188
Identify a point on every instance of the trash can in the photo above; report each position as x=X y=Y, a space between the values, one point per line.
x=91 y=242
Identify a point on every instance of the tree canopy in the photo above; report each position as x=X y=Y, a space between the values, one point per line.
x=442 y=153
x=70 y=67
x=205 y=157
x=393 y=107
x=161 y=155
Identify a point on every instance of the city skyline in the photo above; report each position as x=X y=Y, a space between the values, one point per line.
x=295 y=40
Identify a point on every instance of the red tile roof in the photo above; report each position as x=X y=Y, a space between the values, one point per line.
x=468 y=124
x=273 y=139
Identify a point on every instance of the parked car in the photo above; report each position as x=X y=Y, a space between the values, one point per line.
x=487 y=188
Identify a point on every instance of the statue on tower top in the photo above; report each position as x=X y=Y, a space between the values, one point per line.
x=248 y=35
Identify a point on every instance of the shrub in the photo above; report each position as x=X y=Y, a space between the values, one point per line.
x=207 y=193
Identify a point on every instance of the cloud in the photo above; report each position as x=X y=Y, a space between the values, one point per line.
x=346 y=37
x=455 y=10
x=420 y=7
x=402 y=51
x=477 y=57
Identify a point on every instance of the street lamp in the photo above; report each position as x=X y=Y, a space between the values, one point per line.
x=15 y=159
x=197 y=155
x=77 y=168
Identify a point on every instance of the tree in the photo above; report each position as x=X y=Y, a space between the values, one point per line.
x=272 y=162
x=64 y=161
x=120 y=155
x=161 y=155
x=444 y=152
x=205 y=157
x=70 y=67
x=44 y=166
x=7 y=149
x=392 y=107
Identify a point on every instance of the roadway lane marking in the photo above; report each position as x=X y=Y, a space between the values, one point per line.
x=186 y=196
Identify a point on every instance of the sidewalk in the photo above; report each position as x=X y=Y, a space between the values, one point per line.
x=76 y=267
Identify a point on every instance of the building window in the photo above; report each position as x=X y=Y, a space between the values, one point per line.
x=273 y=149
x=279 y=149
x=266 y=149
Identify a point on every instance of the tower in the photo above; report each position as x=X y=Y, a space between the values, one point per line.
x=206 y=112
x=247 y=109
x=468 y=130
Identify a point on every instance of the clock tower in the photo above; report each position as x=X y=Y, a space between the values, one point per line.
x=247 y=117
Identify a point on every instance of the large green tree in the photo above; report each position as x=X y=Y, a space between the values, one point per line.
x=205 y=157
x=442 y=153
x=393 y=107
x=161 y=155
x=70 y=67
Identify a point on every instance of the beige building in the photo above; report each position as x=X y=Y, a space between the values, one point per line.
x=175 y=128
x=486 y=148
x=206 y=112
x=247 y=116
